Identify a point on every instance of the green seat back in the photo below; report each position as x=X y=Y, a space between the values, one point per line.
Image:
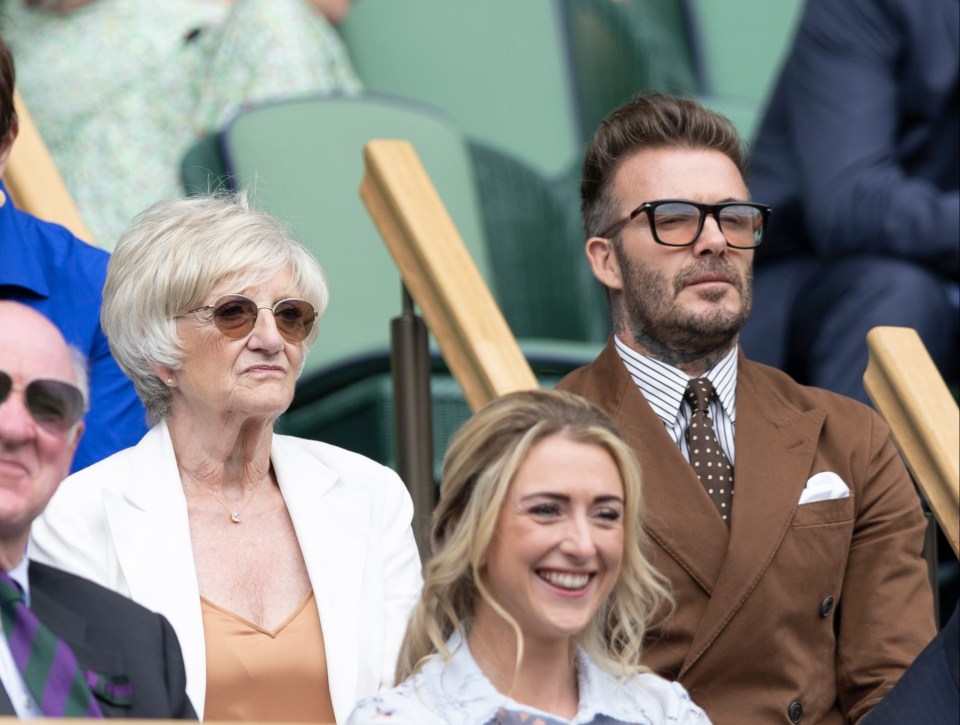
x=303 y=161
x=622 y=48
x=500 y=68
x=201 y=169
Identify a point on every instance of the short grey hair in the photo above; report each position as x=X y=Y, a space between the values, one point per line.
x=170 y=258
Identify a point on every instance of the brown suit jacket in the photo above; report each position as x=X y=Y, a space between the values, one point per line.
x=810 y=611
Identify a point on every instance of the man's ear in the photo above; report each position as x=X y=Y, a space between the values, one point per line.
x=604 y=262
x=6 y=144
x=75 y=435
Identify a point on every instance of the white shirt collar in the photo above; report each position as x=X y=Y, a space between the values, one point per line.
x=20 y=575
x=663 y=385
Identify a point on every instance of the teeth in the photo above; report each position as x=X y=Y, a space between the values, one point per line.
x=565 y=581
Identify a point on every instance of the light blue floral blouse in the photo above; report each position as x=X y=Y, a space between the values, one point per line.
x=458 y=692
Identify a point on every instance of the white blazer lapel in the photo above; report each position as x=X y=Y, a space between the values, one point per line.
x=334 y=549
x=151 y=533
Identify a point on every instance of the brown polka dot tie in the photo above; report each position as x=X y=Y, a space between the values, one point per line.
x=706 y=456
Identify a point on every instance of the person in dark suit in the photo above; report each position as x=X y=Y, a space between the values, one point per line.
x=859 y=155
x=117 y=658
x=929 y=690
x=782 y=516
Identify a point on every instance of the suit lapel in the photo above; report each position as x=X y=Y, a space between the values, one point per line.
x=678 y=513
x=69 y=625
x=334 y=549
x=151 y=533
x=775 y=447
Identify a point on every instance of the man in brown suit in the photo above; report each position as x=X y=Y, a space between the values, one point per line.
x=800 y=590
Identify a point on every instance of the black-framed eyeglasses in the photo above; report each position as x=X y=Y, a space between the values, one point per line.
x=55 y=405
x=678 y=222
x=235 y=316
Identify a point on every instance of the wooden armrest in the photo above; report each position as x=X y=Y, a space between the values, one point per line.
x=910 y=394
x=440 y=274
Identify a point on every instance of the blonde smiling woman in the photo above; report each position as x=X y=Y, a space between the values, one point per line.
x=535 y=603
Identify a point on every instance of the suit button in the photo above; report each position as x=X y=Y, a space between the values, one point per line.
x=826 y=606
x=795 y=711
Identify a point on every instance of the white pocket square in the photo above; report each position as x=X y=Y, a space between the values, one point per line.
x=824 y=486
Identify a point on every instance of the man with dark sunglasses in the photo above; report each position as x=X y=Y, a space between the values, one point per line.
x=782 y=516
x=69 y=647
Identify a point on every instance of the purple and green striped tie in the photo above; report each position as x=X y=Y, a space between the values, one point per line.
x=49 y=668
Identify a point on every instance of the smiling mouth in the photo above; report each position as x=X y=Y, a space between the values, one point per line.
x=565 y=580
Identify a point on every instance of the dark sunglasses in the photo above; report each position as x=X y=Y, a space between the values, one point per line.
x=235 y=316
x=55 y=405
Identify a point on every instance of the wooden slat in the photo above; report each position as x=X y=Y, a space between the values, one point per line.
x=910 y=394
x=34 y=182
x=437 y=269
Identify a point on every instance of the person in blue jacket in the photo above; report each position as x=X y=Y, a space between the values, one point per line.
x=45 y=267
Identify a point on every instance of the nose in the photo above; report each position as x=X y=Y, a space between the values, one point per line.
x=265 y=335
x=711 y=239
x=16 y=423
x=578 y=540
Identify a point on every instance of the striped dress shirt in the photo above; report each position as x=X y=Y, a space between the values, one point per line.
x=663 y=387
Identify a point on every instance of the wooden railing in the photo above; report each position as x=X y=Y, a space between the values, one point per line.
x=35 y=183
x=923 y=416
x=442 y=279
x=440 y=274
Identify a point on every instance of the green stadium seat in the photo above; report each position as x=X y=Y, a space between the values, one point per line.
x=499 y=68
x=622 y=48
x=201 y=169
x=303 y=161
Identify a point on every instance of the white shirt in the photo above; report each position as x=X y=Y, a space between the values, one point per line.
x=10 y=675
x=459 y=692
x=663 y=386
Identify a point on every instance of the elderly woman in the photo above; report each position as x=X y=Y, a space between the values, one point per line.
x=287 y=567
x=536 y=601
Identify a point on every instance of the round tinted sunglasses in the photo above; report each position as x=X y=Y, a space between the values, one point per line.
x=235 y=316
x=55 y=405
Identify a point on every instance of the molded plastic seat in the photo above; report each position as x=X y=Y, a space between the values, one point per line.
x=303 y=161
x=499 y=68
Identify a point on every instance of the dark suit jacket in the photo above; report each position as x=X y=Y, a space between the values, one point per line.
x=810 y=611
x=928 y=692
x=112 y=636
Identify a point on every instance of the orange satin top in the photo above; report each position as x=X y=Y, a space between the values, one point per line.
x=256 y=674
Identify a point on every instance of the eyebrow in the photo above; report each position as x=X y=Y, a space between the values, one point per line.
x=564 y=498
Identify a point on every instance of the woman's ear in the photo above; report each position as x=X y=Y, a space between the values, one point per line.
x=166 y=375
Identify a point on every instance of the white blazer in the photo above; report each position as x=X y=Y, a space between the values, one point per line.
x=123 y=523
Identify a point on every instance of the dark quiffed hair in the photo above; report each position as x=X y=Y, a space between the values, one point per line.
x=7 y=77
x=648 y=121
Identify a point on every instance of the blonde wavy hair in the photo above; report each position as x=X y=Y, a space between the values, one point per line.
x=478 y=468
